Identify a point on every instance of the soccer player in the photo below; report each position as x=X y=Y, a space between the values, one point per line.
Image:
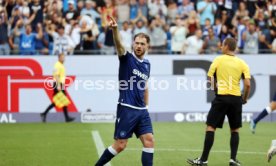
x=272 y=150
x=132 y=113
x=58 y=85
x=227 y=70
x=264 y=113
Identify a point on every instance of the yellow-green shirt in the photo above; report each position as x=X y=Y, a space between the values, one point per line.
x=59 y=71
x=228 y=71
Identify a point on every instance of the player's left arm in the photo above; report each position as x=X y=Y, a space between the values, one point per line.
x=116 y=36
x=146 y=96
x=246 y=82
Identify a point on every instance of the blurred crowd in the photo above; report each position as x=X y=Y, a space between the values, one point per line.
x=48 y=27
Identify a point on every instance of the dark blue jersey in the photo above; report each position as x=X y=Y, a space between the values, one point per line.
x=133 y=76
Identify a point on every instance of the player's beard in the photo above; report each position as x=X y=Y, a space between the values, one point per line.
x=139 y=53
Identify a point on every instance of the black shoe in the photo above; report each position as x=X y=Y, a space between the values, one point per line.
x=69 y=119
x=197 y=162
x=234 y=163
x=43 y=117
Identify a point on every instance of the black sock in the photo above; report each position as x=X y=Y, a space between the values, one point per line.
x=48 y=109
x=106 y=157
x=234 y=144
x=65 y=112
x=208 y=143
x=261 y=116
x=147 y=157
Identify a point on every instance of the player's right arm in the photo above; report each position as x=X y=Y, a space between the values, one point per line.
x=116 y=36
x=211 y=73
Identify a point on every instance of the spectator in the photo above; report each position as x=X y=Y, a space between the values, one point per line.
x=211 y=43
x=206 y=27
x=123 y=11
x=172 y=11
x=251 y=38
x=217 y=27
x=158 y=36
x=16 y=15
x=185 y=8
x=108 y=46
x=193 y=23
x=37 y=8
x=14 y=40
x=27 y=39
x=179 y=33
x=42 y=44
x=62 y=42
x=227 y=21
x=206 y=9
x=242 y=11
x=10 y=4
x=87 y=44
x=80 y=6
x=262 y=23
x=194 y=44
x=133 y=9
x=158 y=8
x=90 y=10
x=100 y=41
x=251 y=7
x=271 y=6
x=241 y=28
x=4 y=46
x=71 y=13
x=126 y=36
x=224 y=33
x=53 y=9
x=142 y=5
x=140 y=24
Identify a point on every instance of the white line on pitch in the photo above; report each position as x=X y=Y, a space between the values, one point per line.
x=99 y=144
x=197 y=150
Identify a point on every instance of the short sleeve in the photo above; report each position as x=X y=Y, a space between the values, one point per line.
x=124 y=56
x=56 y=70
x=213 y=67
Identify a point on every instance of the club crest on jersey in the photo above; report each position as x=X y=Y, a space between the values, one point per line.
x=139 y=74
x=122 y=133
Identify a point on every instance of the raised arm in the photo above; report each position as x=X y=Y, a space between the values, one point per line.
x=116 y=36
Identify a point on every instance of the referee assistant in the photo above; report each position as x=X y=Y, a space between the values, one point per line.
x=227 y=70
x=58 y=85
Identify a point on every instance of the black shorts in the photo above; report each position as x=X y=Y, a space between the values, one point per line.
x=56 y=90
x=225 y=105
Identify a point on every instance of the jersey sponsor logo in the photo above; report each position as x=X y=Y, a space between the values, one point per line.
x=140 y=74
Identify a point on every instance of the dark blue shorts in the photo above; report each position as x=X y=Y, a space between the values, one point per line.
x=274 y=98
x=131 y=121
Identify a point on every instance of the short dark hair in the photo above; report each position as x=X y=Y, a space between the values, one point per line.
x=231 y=43
x=143 y=35
x=60 y=27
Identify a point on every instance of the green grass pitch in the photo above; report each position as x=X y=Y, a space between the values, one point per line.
x=60 y=144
